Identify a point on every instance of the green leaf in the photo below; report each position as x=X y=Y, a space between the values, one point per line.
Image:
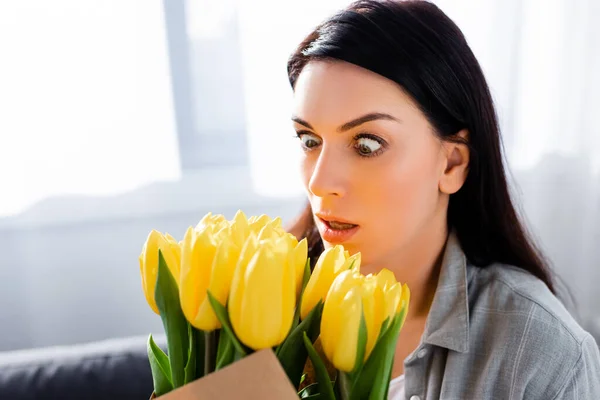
x=225 y=352
x=199 y=352
x=310 y=392
x=174 y=322
x=223 y=318
x=382 y=378
x=161 y=369
x=361 y=347
x=384 y=375
x=292 y=353
x=325 y=387
x=190 y=367
x=352 y=264
x=384 y=327
x=343 y=385
x=210 y=351
x=336 y=386
x=373 y=380
x=313 y=388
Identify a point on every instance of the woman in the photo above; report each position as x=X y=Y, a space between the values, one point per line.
x=402 y=162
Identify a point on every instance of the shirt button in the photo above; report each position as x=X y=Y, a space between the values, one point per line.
x=415 y=398
x=422 y=353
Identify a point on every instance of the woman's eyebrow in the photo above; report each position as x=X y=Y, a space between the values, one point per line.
x=366 y=118
x=302 y=122
x=354 y=123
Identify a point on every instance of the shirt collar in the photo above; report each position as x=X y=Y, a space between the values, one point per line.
x=447 y=324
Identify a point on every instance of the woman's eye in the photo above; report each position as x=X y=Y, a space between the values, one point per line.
x=309 y=140
x=367 y=146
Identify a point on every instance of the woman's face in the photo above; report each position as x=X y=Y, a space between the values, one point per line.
x=372 y=163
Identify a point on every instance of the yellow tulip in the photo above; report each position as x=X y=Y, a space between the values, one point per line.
x=298 y=253
x=353 y=262
x=374 y=310
x=404 y=302
x=206 y=266
x=393 y=292
x=299 y=256
x=215 y=221
x=393 y=299
x=248 y=251
x=329 y=265
x=149 y=262
x=376 y=297
x=276 y=224
x=257 y=223
x=260 y=315
x=386 y=278
x=340 y=322
x=268 y=233
x=239 y=229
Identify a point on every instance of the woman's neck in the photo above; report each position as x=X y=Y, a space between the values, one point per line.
x=417 y=263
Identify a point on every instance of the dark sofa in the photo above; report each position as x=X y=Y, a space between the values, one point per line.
x=108 y=370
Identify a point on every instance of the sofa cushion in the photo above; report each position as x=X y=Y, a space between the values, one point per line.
x=110 y=369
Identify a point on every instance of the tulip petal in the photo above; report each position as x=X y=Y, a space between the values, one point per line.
x=299 y=257
x=223 y=267
x=288 y=296
x=404 y=303
x=198 y=252
x=260 y=329
x=240 y=229
x=348 y=318
x=338 y=321
x=188 y=276
x=386 y=279
x=392 y=300
x=215 y=221
x=276 y=223
x=219 y=283
x=328 y=266
x=238 y=284
x=150 y=266
x=353 y=262
x=373 y=309
x=170 y=254
x=258 y=223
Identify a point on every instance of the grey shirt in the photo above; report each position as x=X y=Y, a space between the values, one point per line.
x=499 y=333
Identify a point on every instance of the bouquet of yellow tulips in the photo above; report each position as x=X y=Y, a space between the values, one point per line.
x=233 y=287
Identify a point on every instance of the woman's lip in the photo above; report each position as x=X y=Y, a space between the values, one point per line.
x=331 y=218
x=335 y=236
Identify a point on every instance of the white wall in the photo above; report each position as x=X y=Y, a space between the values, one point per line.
x=70 y=274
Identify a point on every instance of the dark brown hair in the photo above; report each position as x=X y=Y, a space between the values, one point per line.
x=414 y=44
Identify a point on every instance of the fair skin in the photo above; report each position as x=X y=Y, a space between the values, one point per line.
x=388 y=175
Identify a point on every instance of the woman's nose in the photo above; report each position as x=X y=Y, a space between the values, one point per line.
x=329 y=175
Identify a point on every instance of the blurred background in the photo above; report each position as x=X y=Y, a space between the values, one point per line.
x=122 y=116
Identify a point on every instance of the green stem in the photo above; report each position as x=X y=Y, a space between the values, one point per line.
x=344 y=384
x=199 y=352
x=210 y=351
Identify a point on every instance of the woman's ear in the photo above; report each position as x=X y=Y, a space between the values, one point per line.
x=456 y=164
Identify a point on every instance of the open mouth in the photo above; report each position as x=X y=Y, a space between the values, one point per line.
x=337 y=232
x=339 y=226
